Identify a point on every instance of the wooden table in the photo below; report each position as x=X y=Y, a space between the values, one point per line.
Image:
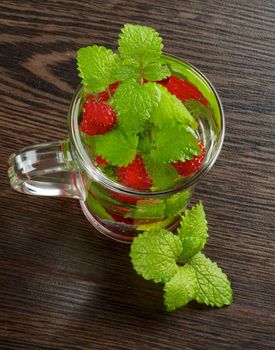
x=64 y=285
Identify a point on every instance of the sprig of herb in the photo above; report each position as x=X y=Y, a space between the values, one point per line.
x=177 y=261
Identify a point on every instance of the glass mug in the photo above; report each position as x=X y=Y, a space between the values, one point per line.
x=64 y=169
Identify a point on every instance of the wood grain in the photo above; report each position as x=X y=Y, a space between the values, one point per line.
x=63 y=285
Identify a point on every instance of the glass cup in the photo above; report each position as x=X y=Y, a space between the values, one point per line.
x=65 y=169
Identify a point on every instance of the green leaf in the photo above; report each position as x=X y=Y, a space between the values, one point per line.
x=96 y=65
x=124 y=71
x=145 y=143
x=213 y=285
x=201 y=112
x=134 y=104
x=139 y=44
x=154 y=254
x=180 y=289
x=173 y=144
x=87 y=140
x=198 y=110
x=109 y=171
x=193 y=231
x=164 y=176
x=116 y=147
x=101 y=194
x=177 y=203
x=155 y=225
x=156 y=71
x=147 y=209
x=97 y=209
x=171 y=111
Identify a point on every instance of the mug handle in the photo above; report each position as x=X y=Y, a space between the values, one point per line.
x=46 y=169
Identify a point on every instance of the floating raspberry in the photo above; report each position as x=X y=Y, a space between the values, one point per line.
x=98 y=117
x=183 y=90
x=190 y=166
x=134 y=175
x=124 y=198
x=120 y=218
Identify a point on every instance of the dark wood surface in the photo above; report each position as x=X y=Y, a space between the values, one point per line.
x=65 y=286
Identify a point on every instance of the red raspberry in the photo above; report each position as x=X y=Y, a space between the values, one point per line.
x=90 y=98
x=101 y=161
x=98 y=117
x=183 y=90
x=120 y=218
x=124 y=198
x=134 y=175
x=104 y=96
x=190 y=166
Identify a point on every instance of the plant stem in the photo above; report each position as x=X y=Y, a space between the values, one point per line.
x=181 y=262
x=141 y=74
x=108 y=92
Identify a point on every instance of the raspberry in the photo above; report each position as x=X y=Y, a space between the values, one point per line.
x=124 y=198
x=134 y=175
x=98 y=117
x=183 y=90
x=120 y=218
x=104 y=96
x=190 y=166
x=101 y=161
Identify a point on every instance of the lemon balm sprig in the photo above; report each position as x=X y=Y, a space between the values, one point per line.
x=178 y=262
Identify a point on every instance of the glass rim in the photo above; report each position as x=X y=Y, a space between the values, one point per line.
x=97 y=175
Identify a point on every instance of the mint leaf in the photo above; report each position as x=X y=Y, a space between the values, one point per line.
x=134 y=104
x=124 y=150
x=139 y=44
x=145 y=226
x=158 y=209
x=147 y=209
x=181 y=288
x=96 y=65
x=101 y=194
x=173 y=144
x=171 y=111
x=193 y=231
x=198 y=110
x=213 y=285
x=109 y=171
x=145 y=144
x=156 y=71
x=89 y=144
x=163 y=175
x=201 y=112
x=177 y=203
x=154 y=254
x=97 y=209
x=124 y=71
